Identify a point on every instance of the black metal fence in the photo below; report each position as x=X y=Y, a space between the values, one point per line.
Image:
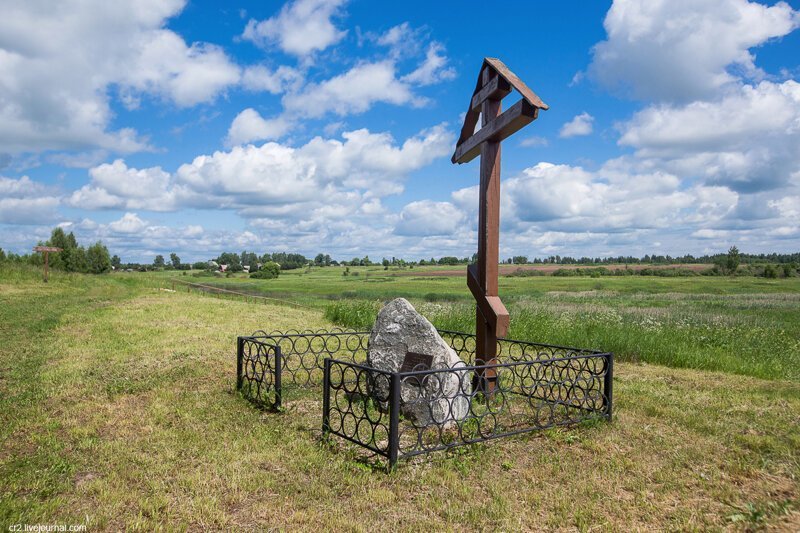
x=403 y=414
x=258 y=371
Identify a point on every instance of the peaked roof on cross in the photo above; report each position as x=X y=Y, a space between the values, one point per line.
x=501 y=85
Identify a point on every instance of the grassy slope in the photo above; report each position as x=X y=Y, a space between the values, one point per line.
x=116 y=404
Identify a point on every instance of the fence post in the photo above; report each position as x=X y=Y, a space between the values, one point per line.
x=608 y=386
x=394 y=420
x=326 y=396
x=239 y=357
x=278 y=371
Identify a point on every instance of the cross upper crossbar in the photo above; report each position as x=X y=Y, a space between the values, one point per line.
x=499 y=86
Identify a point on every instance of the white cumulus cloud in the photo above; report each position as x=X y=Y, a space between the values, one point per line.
x=426 y=218
x=60 y=65
x=24 y=201
x=749 y=139
x=272 y=179
x=433 y=69
x=300 y=28
x=116 y=186
x=260 y=78
x=580 y=125
x=129 y=223
x=354 y=91
x=249 y=126
x=682 y=50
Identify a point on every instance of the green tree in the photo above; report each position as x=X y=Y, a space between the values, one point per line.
x=98 y=259
x=289 y=261
x=116 y=262
x=76 y=260
x=159 y=261
x=249 y=259
x=2 y=255
x=228 y=258
x=58 y=239
x=175 y=260
x=732 y=260
x=269 y=270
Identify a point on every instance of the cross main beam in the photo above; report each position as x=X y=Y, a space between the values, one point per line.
x=495 y=82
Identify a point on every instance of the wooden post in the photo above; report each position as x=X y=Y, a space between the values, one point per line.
x=495 y=82
x=488 y=234
x=46 y=251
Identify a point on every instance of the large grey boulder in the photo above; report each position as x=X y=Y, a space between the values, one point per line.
x=441 y=398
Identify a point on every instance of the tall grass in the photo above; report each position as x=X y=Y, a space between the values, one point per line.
x=18 y=272
x=354 y=314
x=718 y=338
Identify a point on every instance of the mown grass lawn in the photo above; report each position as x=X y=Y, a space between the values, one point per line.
x=117 y=410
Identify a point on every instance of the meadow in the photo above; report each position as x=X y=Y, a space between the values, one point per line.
x=118 y=408
x=742 y=325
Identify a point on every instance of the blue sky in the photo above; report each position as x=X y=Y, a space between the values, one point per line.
x=327 y=126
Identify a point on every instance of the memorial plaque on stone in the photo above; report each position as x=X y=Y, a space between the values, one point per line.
x=415 y=361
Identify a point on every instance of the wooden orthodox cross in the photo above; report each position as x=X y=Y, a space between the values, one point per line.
x=495 y=82
x=46 y=250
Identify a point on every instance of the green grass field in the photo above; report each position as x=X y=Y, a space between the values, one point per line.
x=118 y=409
x=743 y=325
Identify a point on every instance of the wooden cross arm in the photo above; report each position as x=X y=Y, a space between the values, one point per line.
x=497 y=89
x=514 y=119
x=502 y=81
x=492 y=309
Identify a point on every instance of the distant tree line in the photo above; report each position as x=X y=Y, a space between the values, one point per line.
x=95 y=258
x=290 y=261
x=767 y=270
x=724 y=265
x=287 y=261
x=660 y=259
